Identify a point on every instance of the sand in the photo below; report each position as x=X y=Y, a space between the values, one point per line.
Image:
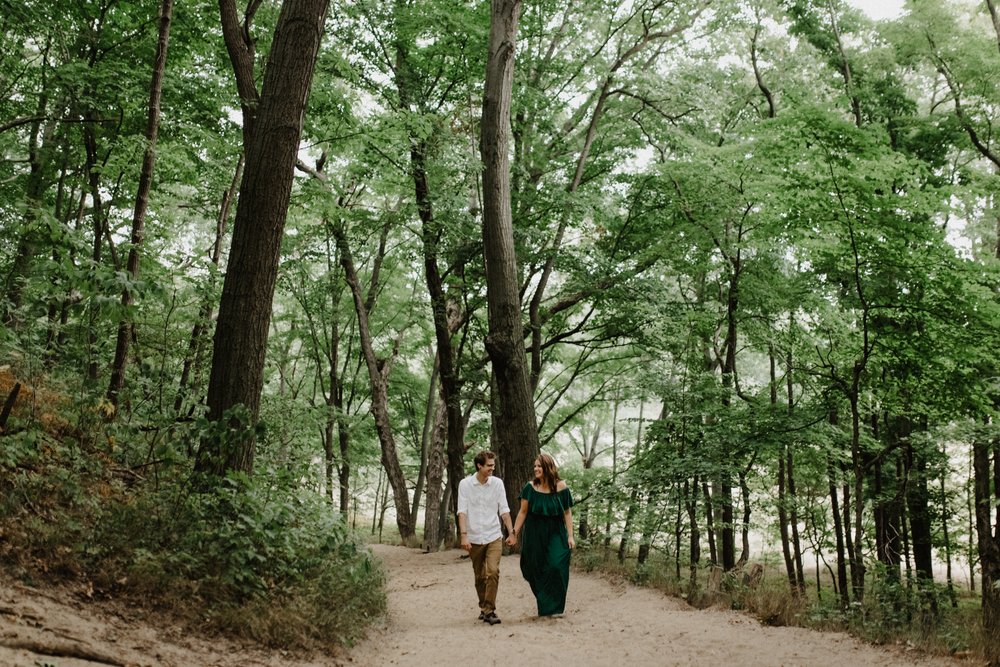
x=433 y=621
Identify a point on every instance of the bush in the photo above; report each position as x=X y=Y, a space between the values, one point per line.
x=260 y=557
x=265 y=560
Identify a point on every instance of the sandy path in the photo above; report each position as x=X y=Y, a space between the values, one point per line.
x=432 y=621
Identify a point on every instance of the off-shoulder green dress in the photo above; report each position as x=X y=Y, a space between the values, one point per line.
x=545 y=548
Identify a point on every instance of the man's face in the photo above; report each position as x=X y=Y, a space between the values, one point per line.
x=487 y=468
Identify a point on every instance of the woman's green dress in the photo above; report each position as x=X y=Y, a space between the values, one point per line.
x=545 y=548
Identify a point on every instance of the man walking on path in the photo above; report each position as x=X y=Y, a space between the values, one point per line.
x=482 y=503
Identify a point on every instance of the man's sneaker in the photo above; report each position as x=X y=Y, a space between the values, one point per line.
x=482 y=615
x=491 y=618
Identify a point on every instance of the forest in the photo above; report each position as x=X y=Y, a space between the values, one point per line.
x=275 y=270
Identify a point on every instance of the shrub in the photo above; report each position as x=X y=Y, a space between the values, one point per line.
x=260 y=557
x=265 y=560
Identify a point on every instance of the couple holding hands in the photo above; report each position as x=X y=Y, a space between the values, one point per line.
x=544 y=525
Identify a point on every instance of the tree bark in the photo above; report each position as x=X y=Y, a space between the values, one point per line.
x=694 y=544
x=514 y=421
x=918 y=504
x=436 y=459
x=99 y=223
x=887 y=510
x=986 y=465
x=724 y=495
x=240 y=345
x=378 y=372
x=838 y=527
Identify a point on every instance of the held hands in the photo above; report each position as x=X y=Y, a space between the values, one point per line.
x=512 y=539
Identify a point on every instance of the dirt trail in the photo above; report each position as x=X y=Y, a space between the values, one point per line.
x=432 y=621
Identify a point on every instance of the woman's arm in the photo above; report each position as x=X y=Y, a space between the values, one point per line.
x=521 y=514
x=568 y=518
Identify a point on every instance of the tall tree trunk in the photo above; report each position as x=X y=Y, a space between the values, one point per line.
x=650 y=527
x=378 y=376
x=713 y=551
x=633 y=504
x=444 y=311
x=845 y=504
x=786 y=545
x=633 y=508
x=99 y=222
x=337 y=452
x=58 y=311
x=272 y=144
x=514 y=422
x=745 y=524
x=120 y=362
x=614 y=471
x=678 y=535
x=436 y=461
x=724 y=493
x=918 y=506
x=972 y=548
x=694 y=544
x=986 y=464
x=946 y=535
x=789 y=463
x=855 y=545
x=426 y=436
x=782 y=501
x=794 y=518
x=887 y=490
x=838 y=527
x=995 y=17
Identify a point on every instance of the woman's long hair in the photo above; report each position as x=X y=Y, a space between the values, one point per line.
x=550 y=471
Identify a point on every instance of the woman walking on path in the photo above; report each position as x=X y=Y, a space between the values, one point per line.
x=547 y=522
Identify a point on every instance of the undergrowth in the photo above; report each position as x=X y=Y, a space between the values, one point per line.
x=929 y=619
x=255 y=556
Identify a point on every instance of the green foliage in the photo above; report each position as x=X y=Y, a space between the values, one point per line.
x=921 y=614
x=254 y=545
x=262 y=556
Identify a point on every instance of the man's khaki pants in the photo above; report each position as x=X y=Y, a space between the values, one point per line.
x=486 y=566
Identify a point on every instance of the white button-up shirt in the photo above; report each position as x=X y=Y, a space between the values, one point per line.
x=482 y=505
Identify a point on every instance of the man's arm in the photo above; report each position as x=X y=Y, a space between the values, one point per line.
x=463 y=529
x=503 y=508
x=505 y=517
x=463 y=519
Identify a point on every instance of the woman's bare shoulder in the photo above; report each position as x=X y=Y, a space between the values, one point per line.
x=561 y=485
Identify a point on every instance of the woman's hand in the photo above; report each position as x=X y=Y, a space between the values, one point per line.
x=512 y=540
x=572 y=542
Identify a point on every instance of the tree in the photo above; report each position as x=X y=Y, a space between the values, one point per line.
x=272 y=127
x=513 y=417
x=141 y=202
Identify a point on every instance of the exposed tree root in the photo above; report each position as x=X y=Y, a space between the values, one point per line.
x=61 y=649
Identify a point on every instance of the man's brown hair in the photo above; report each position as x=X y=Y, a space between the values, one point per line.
x=482 y=457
